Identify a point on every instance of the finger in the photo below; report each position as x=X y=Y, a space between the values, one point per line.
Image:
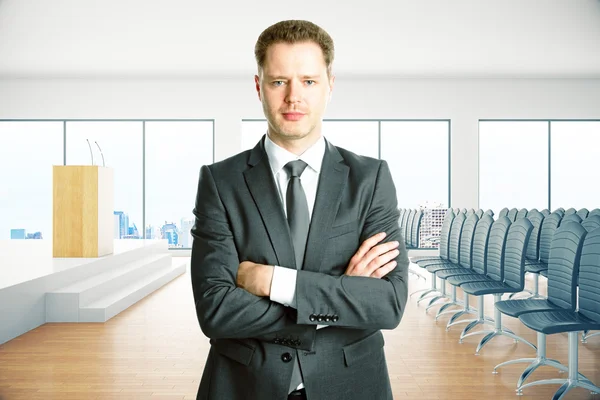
x=377 y=251
x=379 y=261
x=369 y=243
x=384 y=270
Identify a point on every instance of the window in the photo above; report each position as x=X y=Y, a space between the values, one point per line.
x=417 y=154
x=574 y=164
x=29 y=150
x=513 y=165
x=175 y=151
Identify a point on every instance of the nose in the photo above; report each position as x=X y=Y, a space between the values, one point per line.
x=293 y=92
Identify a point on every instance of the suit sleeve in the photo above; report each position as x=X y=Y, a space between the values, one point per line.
x=361 y=302
x=223 y=309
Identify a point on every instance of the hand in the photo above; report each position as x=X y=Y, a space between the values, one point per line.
x=372 y=260
x=255 y=278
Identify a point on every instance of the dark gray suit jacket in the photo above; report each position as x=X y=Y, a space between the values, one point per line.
x=239 y=217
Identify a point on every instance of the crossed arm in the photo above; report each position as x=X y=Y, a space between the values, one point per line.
x=231 y=298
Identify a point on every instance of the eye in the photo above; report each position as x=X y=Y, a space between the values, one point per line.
x=277 y=83
x=310 y=82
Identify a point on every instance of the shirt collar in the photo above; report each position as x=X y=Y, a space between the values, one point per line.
x=278 y=156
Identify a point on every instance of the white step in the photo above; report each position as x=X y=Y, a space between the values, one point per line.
x=63 y=305
x=110 y=305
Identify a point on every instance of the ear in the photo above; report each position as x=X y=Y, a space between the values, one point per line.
x=257 y=85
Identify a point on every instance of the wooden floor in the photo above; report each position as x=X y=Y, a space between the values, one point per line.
x=155 y=349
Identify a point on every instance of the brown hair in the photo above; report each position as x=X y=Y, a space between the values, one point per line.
x=294 y=31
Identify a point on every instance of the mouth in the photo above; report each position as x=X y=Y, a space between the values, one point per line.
x=293 y=116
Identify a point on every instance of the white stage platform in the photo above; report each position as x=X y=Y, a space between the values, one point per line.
x=36 y=288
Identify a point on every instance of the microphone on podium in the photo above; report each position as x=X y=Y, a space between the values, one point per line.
x=91 y=152
x=102 y=154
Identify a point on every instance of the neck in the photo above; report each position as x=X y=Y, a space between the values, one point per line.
x=295 y=146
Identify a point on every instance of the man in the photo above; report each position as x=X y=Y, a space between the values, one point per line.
x=297 y=260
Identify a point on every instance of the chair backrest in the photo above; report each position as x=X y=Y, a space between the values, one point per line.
x=595 y=211
x=480 y=242
x=463 y=210
x=583 y=213
x=401 y=218
x=591 y=223
x=512 y=214
x=533 y=248
x=479 y=213
x=563 y=265
x=570 y=211
x=408 y=228
x=405 y=220
x=545 y=212
x=466 y=240
x=503 y=212
x=445 y=232
x=469 y=212
x=589 y=276
x=549 y=226
x=495 y=248
x=456 y=211
x=521 y=214
x=559 y=211
x=489 y=212
x=519 y=235
x=571 y=218
x=454 y=239
x=416 y=228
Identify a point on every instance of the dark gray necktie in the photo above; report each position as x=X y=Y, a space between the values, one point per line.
x=297 y=209
x=299 y=221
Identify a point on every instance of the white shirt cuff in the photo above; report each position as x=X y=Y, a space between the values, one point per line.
x=283 y=286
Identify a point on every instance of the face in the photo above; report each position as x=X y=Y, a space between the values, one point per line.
x=294 y=90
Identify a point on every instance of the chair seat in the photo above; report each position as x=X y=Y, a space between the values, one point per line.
x=550 y=322
x=427 y=263
x=514 y=308
x=458 y=280
x=535 y=266
x=493 y=287
x=441 y=267
x=544 y=273
x=424 y=258
x=445 y=273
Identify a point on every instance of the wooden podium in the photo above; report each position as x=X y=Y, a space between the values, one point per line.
x=83 y=218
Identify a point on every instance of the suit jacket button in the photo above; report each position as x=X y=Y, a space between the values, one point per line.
x=286 y=357
x=297 y=342
x=335 y=318
x=327 y=318
x=277 y=341
x=312 y=318
x=320 y=318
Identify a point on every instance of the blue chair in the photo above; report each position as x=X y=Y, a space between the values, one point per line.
x=563 y=264
x=453 y=248
x=571 y=218
x=477 y=262
x=401 y=219
x=570 y=211
x=416 y=229
x=583 y=213
x=590 y=223
x=493 y=270
x=586 y=318
x=408 y=228
x=536 y=267
x=595 y=211
x=533 y=248
x=510 y=280
x=521 y=214
x=489 y=212
x=459 y=259
x=444 y=234
x=503 y=212
x=512 y=214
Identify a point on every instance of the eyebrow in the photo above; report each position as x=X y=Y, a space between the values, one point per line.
x=283 y=77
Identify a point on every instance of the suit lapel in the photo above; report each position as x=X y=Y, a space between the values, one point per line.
x=332 y=180
x=260 y=182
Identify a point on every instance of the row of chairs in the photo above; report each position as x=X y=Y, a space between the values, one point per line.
x=484 y=256
x=410 y=226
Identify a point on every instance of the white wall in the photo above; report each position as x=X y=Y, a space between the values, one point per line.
x=228 y=100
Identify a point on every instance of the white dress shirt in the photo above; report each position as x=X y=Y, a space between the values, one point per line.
x=283 y=285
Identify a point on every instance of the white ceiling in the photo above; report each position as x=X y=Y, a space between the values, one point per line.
x=185 y=38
